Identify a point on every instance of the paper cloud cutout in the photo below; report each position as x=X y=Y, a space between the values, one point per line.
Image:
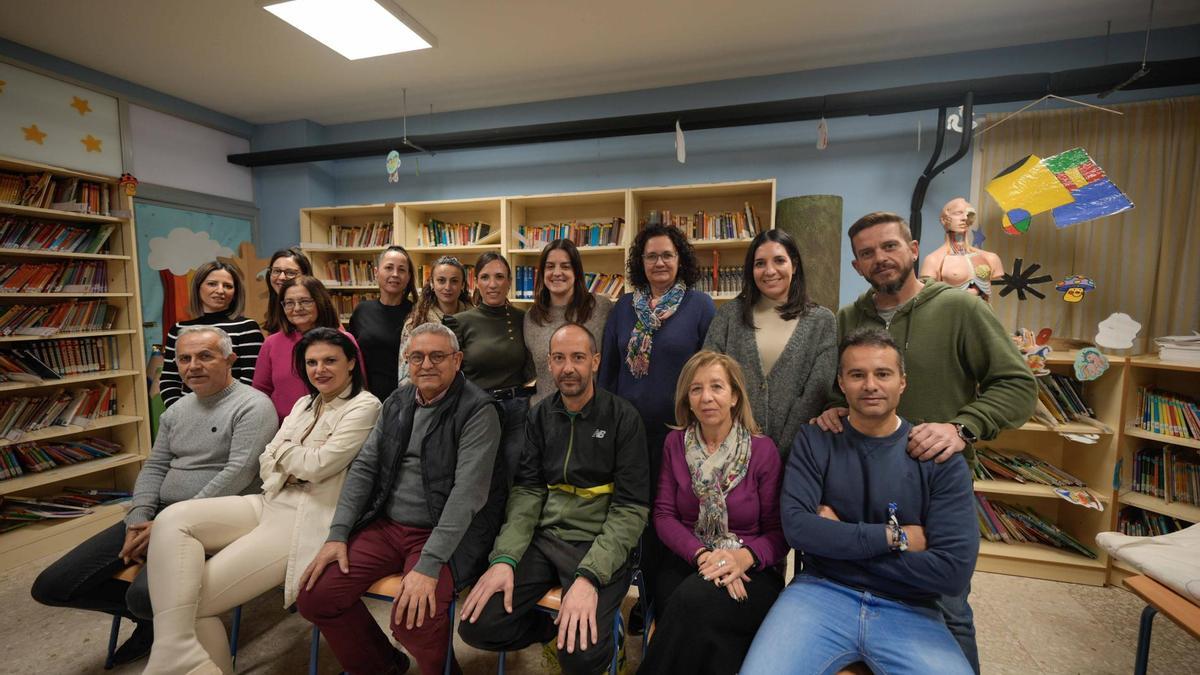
x=1117 y=331
x=183 y=250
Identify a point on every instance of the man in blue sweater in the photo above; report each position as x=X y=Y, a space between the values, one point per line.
x=881 y=535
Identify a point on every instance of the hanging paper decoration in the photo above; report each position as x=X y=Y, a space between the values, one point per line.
x=1117 y=331
x=393 y=167
x=1023 y=281
x=1080 y=496
x=1074 y=286
x=1070 y=185
x=129 y=184
x=1035 y=354
x=1090 y=364
x=823 y=135
x=680 y=145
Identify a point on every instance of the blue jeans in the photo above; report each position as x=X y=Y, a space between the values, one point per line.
x=819 y=627
x=959 y=618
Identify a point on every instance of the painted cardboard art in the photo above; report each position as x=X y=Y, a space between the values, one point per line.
x=1070 y=185
x=1089 y=364
x=1117 y=331
x=1074 y=287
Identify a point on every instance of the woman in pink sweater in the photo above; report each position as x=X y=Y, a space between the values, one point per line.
x=306 y=305
x=717 y=510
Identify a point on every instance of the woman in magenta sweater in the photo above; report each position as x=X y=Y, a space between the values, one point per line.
x=306 y=305
x=717 y=511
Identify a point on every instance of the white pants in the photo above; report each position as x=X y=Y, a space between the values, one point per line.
x=248 y=537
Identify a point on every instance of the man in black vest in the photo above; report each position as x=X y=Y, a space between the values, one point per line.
x=424 y=497
x=577 y=506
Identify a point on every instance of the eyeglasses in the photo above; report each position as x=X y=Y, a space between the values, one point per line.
x=286 y=274
x=304 y=303
x=415 y=359
x=653 y=258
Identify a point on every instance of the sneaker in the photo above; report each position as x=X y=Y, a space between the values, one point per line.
x=400 y=662
x=550 y=663
x=137 y=647
x=637 y=619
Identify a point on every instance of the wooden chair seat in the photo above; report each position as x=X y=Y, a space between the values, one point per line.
x=387 y=586
x=1172 y=605
x=129 y=573
x=552 y=600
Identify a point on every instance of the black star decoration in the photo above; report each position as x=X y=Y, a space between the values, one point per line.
x=1023 y=280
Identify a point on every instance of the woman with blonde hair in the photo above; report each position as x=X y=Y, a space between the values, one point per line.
x=717 y=511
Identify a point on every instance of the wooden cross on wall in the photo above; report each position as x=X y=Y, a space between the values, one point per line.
x=250 y=265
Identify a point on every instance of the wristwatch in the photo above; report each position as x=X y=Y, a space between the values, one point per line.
x=965 y=434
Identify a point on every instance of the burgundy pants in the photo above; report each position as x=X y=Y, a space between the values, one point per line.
x=335 y=604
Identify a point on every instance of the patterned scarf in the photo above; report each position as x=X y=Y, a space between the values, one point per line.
x=648 y=322
x=713 y=477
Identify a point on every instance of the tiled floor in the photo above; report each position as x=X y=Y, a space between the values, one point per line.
x=1025 y=626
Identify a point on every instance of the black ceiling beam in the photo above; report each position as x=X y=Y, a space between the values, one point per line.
x=892 y=100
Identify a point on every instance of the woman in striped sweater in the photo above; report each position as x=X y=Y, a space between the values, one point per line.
x=217 y=298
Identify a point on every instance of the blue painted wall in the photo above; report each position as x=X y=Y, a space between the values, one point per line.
x=873 y=162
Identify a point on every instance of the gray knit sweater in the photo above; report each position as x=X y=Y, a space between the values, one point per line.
x=537 y=341
x=206 y=447
x=795 y=389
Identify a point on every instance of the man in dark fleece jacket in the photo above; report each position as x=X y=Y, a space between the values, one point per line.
x=966 y=379
x=576 y=509
x=882 y=536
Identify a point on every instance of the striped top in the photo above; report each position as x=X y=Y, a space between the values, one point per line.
x=247 y=339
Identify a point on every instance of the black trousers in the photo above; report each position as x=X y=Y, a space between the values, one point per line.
x=699 y=628
x=82 y=579
x=548 y=563
x=654 y=553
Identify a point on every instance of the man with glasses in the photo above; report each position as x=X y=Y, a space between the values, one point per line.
x=425 y=498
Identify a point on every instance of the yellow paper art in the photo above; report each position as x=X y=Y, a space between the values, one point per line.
x=1024 y=189
x=91 y=143
x=32 y=133
x=81 y=105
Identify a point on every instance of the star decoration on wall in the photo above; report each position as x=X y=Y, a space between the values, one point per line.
x=81 y=105
x=91 y=143
x=2 y=83
x=1023 y=281
x=33 y=133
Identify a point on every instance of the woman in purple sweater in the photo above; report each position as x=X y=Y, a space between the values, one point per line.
x=717 y=511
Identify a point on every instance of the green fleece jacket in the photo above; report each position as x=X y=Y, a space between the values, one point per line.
x=962 y=365
x=583 y=477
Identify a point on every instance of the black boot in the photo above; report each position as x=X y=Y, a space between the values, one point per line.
x=138 y=644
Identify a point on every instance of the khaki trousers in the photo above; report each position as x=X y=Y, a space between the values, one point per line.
x=248 y=539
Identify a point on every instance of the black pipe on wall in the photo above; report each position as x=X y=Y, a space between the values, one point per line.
x=892 y=100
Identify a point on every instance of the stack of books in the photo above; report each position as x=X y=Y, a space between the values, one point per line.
x=23 y=458
x=72 y=503
x=345 y=304
x=37 y=362
x=43 y=235
x=45 y=191
x=350 y=273
x=72 y=277
x=720 y=280
x=1012 y=524
x=742 y=224
x=46 y=320
x=1169 y=414
x=1171 y=474
x=536 y=237
x=1179 y=348
x=610 y=285
x=371 y=235
x=1022 y=468
x=23 y=414
x=437 y=233
x=525 y=282
x=1139 y=523
x=1060 y=401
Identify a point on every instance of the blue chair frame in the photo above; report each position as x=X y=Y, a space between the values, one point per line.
x=114 y=633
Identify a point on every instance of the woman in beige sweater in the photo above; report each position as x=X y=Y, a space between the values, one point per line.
x=259 y=541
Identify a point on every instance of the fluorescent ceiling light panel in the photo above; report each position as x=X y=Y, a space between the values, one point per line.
x=356 y=29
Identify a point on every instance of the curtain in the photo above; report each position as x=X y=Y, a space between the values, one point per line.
x=1145 y=261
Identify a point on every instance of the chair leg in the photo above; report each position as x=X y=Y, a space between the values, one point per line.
x=233 y=633
x=112 y=642
x=500 y=665
x=450 y=640
x=314 y=651
x=1143 y=645
x=618 y=627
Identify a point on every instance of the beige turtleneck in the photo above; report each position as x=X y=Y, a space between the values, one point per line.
x=772 y=332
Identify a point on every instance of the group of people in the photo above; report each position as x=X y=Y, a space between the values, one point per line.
x=661 y=435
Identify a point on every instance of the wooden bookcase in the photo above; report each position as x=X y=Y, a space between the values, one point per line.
x=1093 y=463
x=130 y=425
x=1143 y=371
x=507 y=214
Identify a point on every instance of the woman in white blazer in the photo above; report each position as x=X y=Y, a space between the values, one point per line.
x=257 y=542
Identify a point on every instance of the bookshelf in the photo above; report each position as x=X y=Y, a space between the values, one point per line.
x=1149 y=371
x=124 y=365
x=1093 y=463
x=512 y=221
x=319 y=236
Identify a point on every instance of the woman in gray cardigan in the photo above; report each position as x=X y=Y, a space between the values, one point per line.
x=786 y=345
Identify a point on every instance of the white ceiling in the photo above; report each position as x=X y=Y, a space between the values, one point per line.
x=234 y=57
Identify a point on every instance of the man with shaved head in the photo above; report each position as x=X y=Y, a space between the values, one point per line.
x=578 y=505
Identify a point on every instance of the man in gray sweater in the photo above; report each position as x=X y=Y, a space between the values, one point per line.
x=424 y=497
x=207 y=446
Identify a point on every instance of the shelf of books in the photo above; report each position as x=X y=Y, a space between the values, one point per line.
x=1159 y=451
x=596 y=221
x=464 y=229
x=344 y=243
x=73 y=404
x=720 y=219
x=1039 y=489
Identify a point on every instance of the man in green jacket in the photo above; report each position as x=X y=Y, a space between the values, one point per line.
x=966 y=379
x=578 y=504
